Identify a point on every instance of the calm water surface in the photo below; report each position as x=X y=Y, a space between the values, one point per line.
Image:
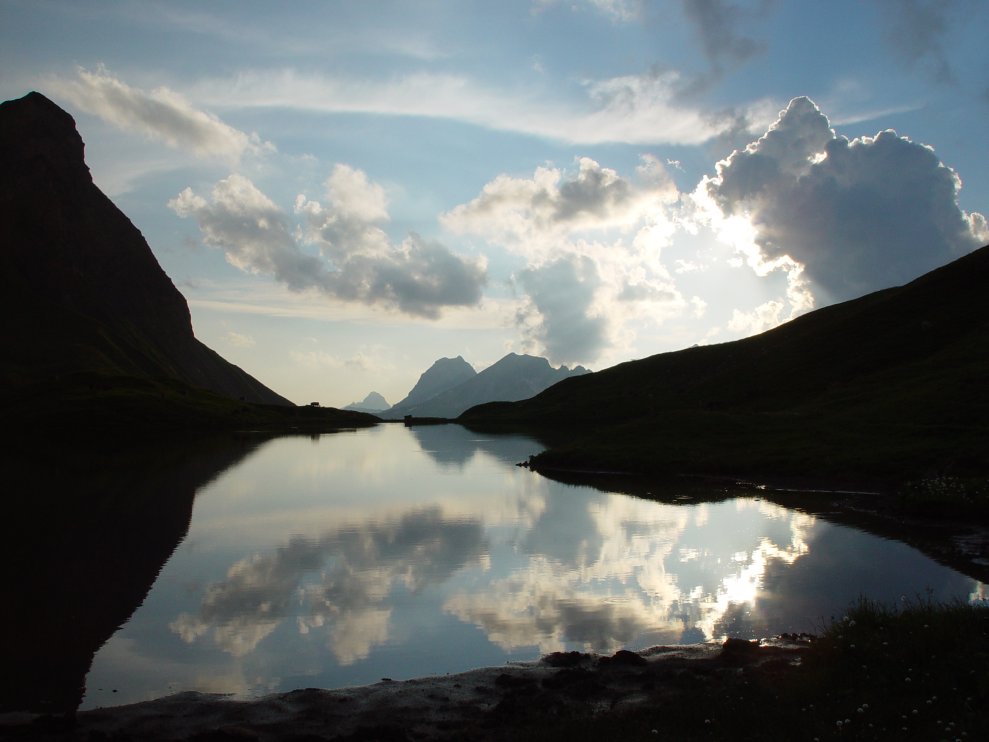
x=396 y=552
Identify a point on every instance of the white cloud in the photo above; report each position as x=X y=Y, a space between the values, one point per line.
x=592 y=242
x=619 y=11
x=764 y=317
x=251 y=230
x=528 y=214
x=855 y=216
x=161 y=115
x=559 y=318
x=239 y=340
x=635 y=109
x=362 y=362
x=357 y=261
x=352 y=195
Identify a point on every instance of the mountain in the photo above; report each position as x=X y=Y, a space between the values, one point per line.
x=512 y=378
x=96 y=552
x=444 y=374
x=372 y=403
x=889 y=385
x=83 y=295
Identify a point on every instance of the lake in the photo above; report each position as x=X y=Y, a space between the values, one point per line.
x=342 y=559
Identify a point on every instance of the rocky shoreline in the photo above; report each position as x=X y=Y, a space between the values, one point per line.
x=486 y=703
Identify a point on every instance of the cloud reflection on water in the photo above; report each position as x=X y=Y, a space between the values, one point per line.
x=339 y=583
x=583 y=569
x=633 y=574
x=338 y=561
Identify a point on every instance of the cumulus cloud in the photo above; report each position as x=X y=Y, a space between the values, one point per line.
x=529 y=214
x=515 y=210
x=161 y=114
x=591 y=240
x=764 y=317
x=558 y=317
x=357 y=262
x=848 y=217
x=252 y=231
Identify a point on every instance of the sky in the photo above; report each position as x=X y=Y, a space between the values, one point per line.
x=345 y=192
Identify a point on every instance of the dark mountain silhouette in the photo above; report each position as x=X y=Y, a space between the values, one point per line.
x=889 y=385
x=372 y=403
x=444 y=374
x=82 y=291
x=82 y=554
x=512 y=378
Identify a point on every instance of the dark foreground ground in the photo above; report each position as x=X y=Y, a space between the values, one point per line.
x=916 y=672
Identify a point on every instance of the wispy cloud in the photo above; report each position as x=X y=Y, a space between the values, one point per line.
x=636 y=109
x=161 y=114
x=917 y=32
x=619 y=11
x=717 y=24
x=239 y=340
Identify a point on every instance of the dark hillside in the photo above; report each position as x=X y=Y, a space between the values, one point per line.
x=82 y=291
x=888 y=384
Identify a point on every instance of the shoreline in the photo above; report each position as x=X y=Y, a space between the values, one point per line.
x=484 y=703
x=912 y=672
x=946 y=532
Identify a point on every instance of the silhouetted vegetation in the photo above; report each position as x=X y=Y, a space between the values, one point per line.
x=107 y=406
x=879 y=673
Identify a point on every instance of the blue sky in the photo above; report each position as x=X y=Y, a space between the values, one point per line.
x=345 y=192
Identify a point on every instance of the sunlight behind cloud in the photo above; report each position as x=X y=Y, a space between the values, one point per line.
x=842 y=217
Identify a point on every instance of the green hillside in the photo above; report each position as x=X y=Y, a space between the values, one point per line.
x=888 y=386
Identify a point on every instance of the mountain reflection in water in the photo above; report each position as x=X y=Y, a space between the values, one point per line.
x=400 y=552
x=90 y=529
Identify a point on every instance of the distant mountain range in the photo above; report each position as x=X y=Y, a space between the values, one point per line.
x=82 y=291
x=372 y=403
x=450 y=386
x=443 y=375
x=890 y=385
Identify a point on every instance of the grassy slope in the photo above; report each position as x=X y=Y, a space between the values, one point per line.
x=886 y=386
x=108 y=405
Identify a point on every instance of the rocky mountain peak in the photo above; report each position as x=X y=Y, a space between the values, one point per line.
x=83 y=292
x=39 y=138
